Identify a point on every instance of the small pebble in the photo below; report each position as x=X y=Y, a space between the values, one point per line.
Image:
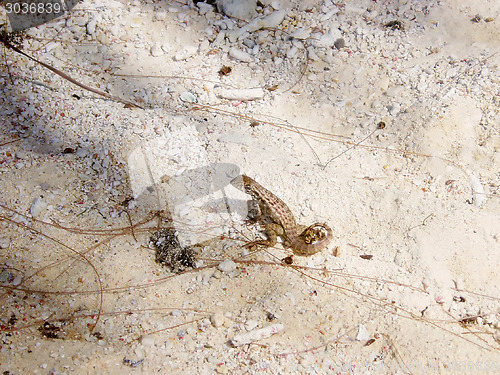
x=363 y=334
x=37 y=207
x=17 y=280
x=256 y=335
x=291 y=52
x=91 y=27
x=227 y=266
x=188 y=97
x=156 y=50
x=394 y=109
x=250 y=43
x=243 y=9
x=326 y=40
x=479 y=195
x=4 y=242
x=240 y=55
x=5 y=276
x=272 y=20
x=301 y=34
x=217 y=319
x=339 y=43
x=160 y=16
x=185 y=53
x=204 y=7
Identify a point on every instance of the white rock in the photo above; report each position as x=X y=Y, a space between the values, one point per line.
x=478 y=190
x=4 y=242
x=244 y=9
x=291 y=52
x=227 y=266
x=383 y=83
x=217 y=319
x=270 y=21
x=242 y=94
x=394 y=109
x=204 y=8
x=91 y=27
x=188 y=97
x=160 y=16
x=17 y=280
x=186 y=52
x=301 y=33
x=258 y=334
x=225 y=24
x=363 y=334
x=329 y=14
x=5 y=276
x=156 y=50
x=240 y=55
x=219 y=40
x=80 y=21
x=327 y=40
x=37 y=207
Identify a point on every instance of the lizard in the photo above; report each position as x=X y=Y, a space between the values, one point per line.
x=303 y=241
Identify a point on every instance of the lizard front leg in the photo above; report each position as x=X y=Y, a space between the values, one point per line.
x=273 y=230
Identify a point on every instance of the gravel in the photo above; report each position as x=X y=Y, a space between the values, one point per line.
x=414 y=206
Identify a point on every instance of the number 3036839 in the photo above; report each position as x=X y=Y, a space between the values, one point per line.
x=33 y=8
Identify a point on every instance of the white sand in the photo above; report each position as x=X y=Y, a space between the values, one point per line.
x=420 y=196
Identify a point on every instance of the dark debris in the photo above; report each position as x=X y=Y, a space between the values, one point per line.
x=395 y=25
x=339 y=43
x=476 y=19
x=132 y=363
x=52 y=331
x=170 y=253
x=225 y=71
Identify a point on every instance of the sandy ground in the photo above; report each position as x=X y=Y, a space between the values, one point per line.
x=410 y=282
